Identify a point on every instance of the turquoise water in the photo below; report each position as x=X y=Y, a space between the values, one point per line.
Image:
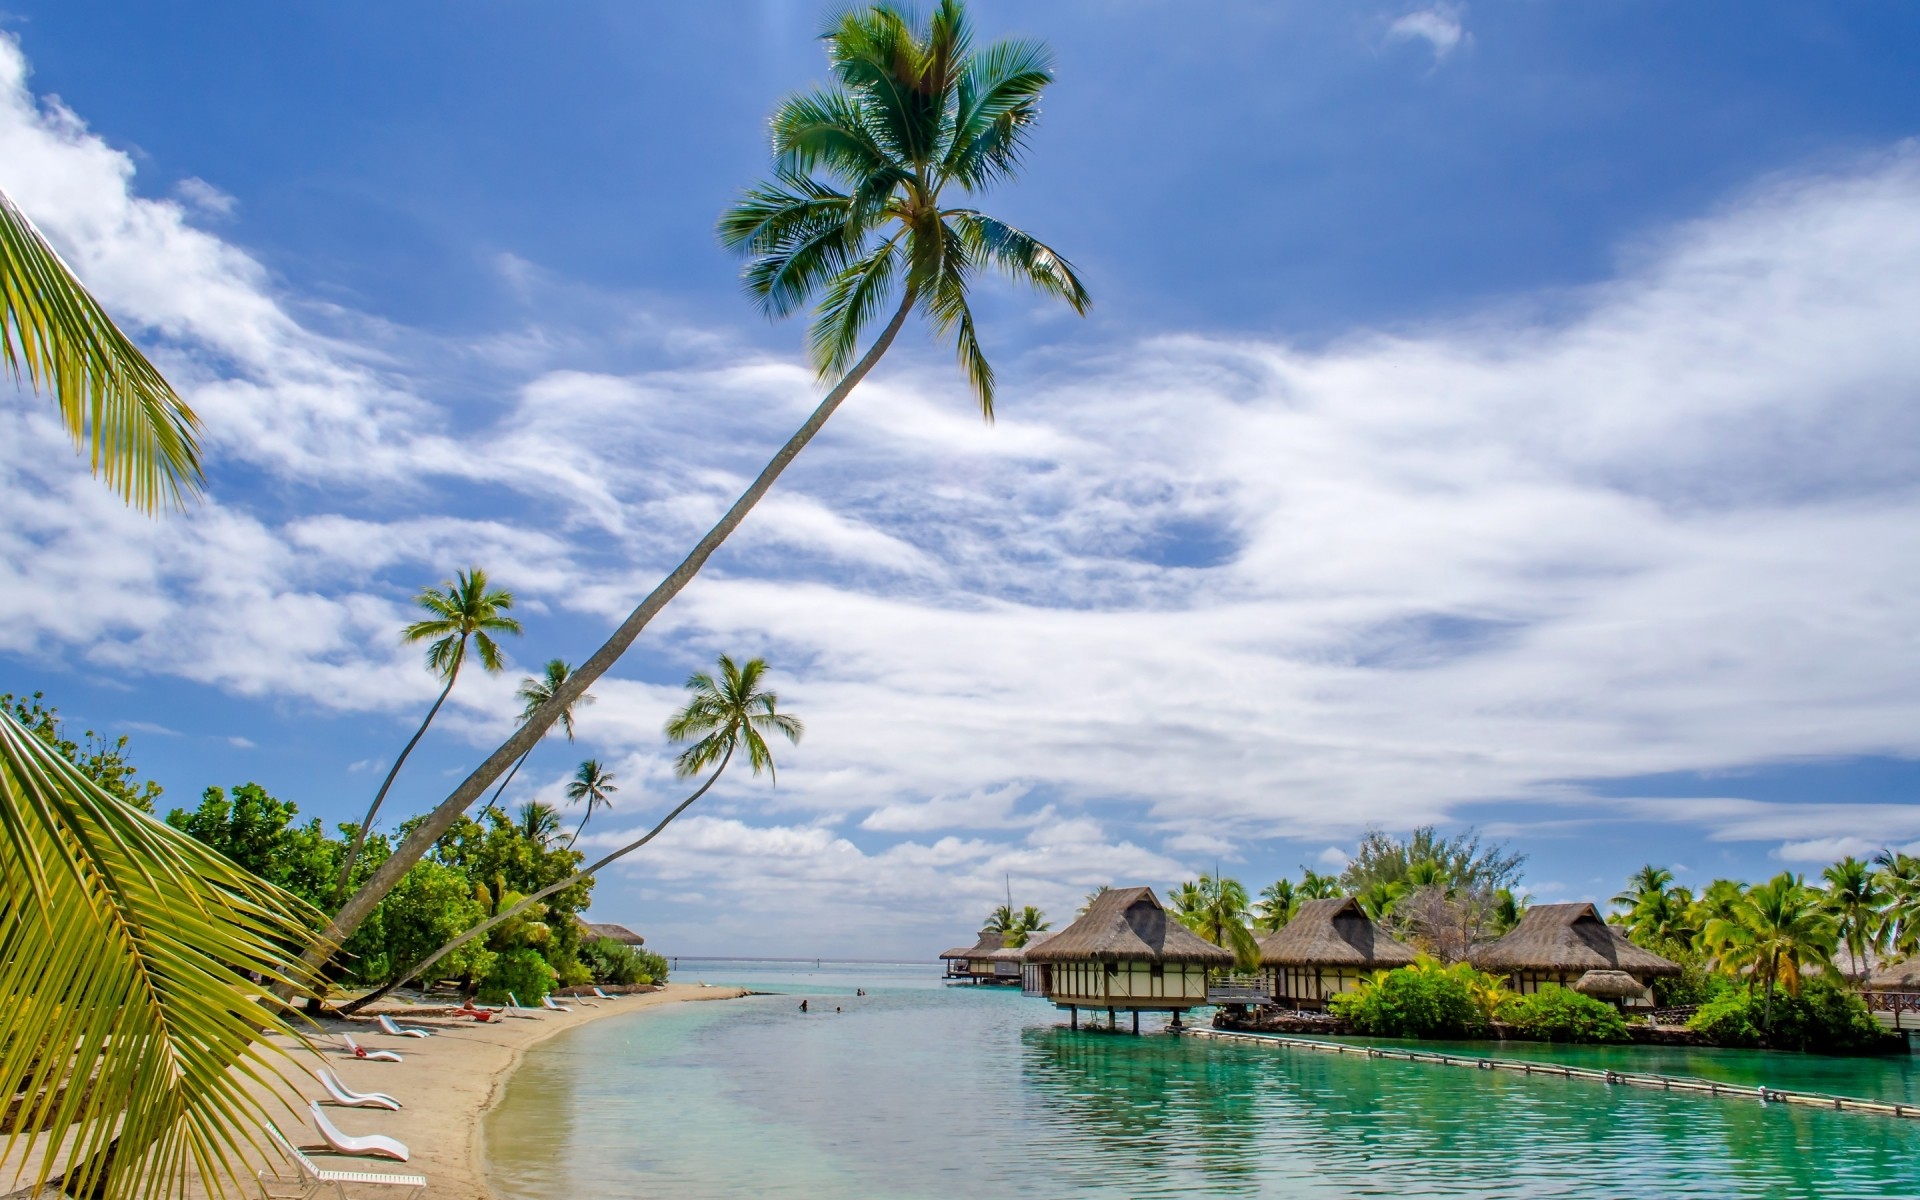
x=924 y=1091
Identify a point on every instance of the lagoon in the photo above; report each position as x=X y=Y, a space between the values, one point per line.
x=921 y=1090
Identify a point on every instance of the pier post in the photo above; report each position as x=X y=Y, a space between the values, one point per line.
x=1073 y=1017
x=1112 y=1021
x=1136 y=1021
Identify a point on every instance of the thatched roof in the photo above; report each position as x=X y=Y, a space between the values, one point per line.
x=989 y=942
x=1896 y=977
x=1128 y=925
x=1036 y=938
x=593 y=932
x=1610 y=985
x=1333 y=933
x=1565 y=938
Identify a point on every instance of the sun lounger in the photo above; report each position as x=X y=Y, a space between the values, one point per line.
x=311 y=1181
x=603 y=995
x=388 y=1025
x=358 y=1051
x=372 y=1145
x=347 y=1097
x=515 y=1009
x=547 y=1002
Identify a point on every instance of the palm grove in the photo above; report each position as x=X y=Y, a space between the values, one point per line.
x=106 y=982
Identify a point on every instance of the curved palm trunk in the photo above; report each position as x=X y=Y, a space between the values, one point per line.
x=577 y=828
x=441 y=819
x=373 y=810
x=486 y=925
x=494 y=800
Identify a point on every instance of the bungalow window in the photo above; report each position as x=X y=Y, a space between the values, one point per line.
x=1159 y=971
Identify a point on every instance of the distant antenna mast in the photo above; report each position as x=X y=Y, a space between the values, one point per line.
x=1009 y=878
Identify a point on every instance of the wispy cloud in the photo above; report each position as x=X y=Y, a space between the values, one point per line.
x=1440 y=27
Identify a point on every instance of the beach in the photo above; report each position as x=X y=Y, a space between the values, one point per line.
x=447 y=1082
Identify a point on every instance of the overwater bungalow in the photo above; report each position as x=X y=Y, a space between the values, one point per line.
x=1561 y=943
x=1125 y=954
x=976 y=963
x=1327 y=948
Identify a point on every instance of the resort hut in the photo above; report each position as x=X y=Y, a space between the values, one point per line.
x=1126 y=953
x=975 y=962
x=1030 y=971
x=591 y=931
x=1896 y=977
x=1560 y=943
x=1615 y=987
x=1327 y=948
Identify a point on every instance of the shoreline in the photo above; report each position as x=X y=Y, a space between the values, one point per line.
x=449 y=1082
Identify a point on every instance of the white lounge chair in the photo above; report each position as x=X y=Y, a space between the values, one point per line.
x=354 y=1048
x=603 y=995
x=516 y=1009
x=388 y=1025
x=547 y=1002
x=348 y=1098
x=311 y=1181
x=372 y=1145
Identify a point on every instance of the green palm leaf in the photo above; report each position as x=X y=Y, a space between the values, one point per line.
x=140 y=434
x=128 y=1024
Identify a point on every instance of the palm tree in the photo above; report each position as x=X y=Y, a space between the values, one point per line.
x=533 y=693
x=1778 y=927
x=130 y=1032
x=1093 y=895
x=1854 y=898
x=1216 y=908
x=594 y=784
x=727 y=715
x=466 y=610
x=537 y=823
x=1648 y=881
x=1001 y=920
x=1315 y=886
x=141 y=436
x=1379 y=899
x=1276 y=906
x=1899 y=879
x=915 y=116
x=1027 y=922
x=1507 y=911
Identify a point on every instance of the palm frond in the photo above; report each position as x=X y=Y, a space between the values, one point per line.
x=140 y=433
x=948 y=311
x=997 y=100
x=127 y=1020
x=1022 y=257
x=777 y=213
x=876 y=57
x=828 y=129
x=849 y=305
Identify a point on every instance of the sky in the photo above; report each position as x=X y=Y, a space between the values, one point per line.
x=1491 y=415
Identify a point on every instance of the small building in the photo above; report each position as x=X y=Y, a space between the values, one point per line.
x=1327 y=948
x=976 y=963
x=1560 y=943
x=1124 y=954
x=591 y=931
x=1894 y=977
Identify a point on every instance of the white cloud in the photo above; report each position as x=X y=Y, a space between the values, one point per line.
x=1334 y=858
x=1439 y=26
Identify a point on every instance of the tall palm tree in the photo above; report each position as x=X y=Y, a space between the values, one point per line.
x=1899 y=880
x=1276 y=906
x=1648 y=881
x=1379 y=899
x=727 y=715
x=140 y=434
x=1854 y=898
x=465 y=610
x=858 y=210
x=129 y=1028
x=1027 y=922
x=594 y=784
x=1778 y=927
x=1216 y=908
x=1093 y=895
x=1001 y=920
x=533 y=693
x=1315 y=886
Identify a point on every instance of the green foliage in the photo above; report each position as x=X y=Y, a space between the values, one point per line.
x=654 y=966
x=1824 y=1018
x=1462 y=860
x=609 y=961
x=431 y=904
x=1217 y=909
x=522 y=972
x=1425 y=1000
x=256 y=831
x=102 y=761
x=1557 y=1014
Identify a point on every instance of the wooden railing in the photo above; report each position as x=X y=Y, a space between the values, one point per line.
x=1892 y=1002
x=1238 y=989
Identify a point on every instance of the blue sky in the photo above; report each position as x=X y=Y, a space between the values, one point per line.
x=1491 y=414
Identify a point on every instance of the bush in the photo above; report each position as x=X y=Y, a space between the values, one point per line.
x=1423 y=1001
x=1824 y=1018
x=653 y=967
x=522 y=972
x=1557 y=1014
x=608 y=961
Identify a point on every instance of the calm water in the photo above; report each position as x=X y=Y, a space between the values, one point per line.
x=923 y=1091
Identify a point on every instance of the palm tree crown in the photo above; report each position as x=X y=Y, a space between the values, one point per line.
x=594 y=784
x=1215 y=907
x=466 y=609
x=858 y=207
x=727 y=714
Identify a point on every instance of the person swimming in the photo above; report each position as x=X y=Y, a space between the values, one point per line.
x=803 y=1006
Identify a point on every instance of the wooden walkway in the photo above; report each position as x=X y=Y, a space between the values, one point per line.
x=1639 y=1079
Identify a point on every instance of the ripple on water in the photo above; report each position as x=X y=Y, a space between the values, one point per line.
x=922 y=1091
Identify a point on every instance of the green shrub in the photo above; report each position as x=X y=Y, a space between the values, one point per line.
x=610 y=961
x=522 y=972
x=653 y=967
x=1425 y=1000
x=1557 y=1014
x=1824 y=1018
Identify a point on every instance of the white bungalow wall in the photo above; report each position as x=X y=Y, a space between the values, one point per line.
x=1096 y=984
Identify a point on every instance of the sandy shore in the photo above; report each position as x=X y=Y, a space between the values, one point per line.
x=447 y=1083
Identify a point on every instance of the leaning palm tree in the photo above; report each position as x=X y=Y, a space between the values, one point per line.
x=533 y=693
x=594 y=784
x=139 y=433
x=465 y=610
x=1854 y=898
x=1649 y=881
x=728 y=715
x=859 y=214
x=1778 y=927
x=130 y=1032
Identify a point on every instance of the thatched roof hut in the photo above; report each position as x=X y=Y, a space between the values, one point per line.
x=976 y=961
x=1559 y=943
x=1610 y=985
x=1896 y=977
x=1129 y=925
x=1333 y=933
x=592 y=931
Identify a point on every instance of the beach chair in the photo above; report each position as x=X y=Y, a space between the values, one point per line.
x=311 y=1181
x=348 y=1098
x=358 y=1051
x=547 y=1003
x=388 y=1025
x=372 y=1145
x=603 y=995
x=516 y=1009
